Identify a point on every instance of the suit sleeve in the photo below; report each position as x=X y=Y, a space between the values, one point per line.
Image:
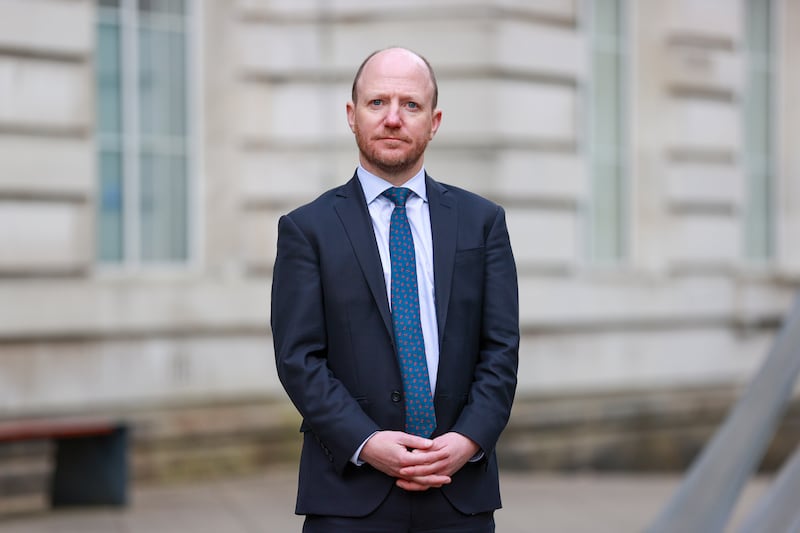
x=299 y=335
x=495 y=379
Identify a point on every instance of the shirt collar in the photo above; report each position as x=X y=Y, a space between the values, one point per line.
x=373 y=186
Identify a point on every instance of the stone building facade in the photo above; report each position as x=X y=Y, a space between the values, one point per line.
x=643 y=151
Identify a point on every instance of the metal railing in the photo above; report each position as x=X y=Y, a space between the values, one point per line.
x=704 y=501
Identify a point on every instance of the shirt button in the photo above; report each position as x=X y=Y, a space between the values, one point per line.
x=396 y=396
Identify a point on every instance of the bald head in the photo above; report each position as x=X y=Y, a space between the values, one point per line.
x=402 y=54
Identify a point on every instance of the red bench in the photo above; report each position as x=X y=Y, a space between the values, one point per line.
x=91 y=457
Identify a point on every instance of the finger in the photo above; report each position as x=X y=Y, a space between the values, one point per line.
x=423 y=457
x=437 y=467
x=433 y=480
x=413 y=441
x=411 y=486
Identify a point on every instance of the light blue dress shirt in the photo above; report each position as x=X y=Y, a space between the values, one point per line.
x=419 y=218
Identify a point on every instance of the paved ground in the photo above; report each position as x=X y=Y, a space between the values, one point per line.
x=533 y=503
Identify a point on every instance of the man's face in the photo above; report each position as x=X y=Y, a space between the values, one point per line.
x=393 y=118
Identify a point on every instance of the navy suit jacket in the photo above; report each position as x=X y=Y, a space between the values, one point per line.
x=334 y=351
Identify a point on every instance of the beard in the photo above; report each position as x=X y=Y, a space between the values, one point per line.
x=390 y=162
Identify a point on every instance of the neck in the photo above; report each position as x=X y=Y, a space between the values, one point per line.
x=398 y=179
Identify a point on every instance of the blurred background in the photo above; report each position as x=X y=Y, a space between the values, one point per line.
x=644 y=151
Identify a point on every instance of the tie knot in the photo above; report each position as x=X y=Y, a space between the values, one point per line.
x=398 y=195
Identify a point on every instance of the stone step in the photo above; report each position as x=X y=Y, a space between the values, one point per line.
x=655 y=431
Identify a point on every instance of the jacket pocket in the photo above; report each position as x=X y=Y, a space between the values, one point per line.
x=469 y=255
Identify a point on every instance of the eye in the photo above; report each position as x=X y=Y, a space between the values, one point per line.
x=413 y=105
x=376 y=102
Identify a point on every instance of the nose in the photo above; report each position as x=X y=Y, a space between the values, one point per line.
x=392 y=118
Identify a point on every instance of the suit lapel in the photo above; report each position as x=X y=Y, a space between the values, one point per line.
x=444 y=226
x=352 y=210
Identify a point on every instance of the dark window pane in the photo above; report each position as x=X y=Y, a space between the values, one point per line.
x=606 y=213
x=759 y=124
x=606 y=99
x=164 y=202
x=607 y=17
x=174 y=7
x=109 y=90
x=110 y=225
x=162 y=84
x=758 y=21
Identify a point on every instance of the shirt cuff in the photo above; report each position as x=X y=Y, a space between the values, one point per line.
x=358 y=462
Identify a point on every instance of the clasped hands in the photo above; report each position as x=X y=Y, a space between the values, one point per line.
x=415 y=462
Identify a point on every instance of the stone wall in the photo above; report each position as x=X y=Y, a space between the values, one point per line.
x=271 y=79
x=46 y=174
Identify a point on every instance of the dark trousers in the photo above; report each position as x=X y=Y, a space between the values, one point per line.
x=406 y=512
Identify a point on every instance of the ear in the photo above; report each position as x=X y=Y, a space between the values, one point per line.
x=351 y=116
x=436 y=121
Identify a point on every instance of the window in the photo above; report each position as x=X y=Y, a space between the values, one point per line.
x=759 y=130
x=143 y=132
x=607 y=209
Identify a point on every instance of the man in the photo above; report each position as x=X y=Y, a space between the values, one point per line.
x=395 y=322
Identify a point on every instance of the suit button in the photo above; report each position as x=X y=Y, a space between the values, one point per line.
x=396 y=396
